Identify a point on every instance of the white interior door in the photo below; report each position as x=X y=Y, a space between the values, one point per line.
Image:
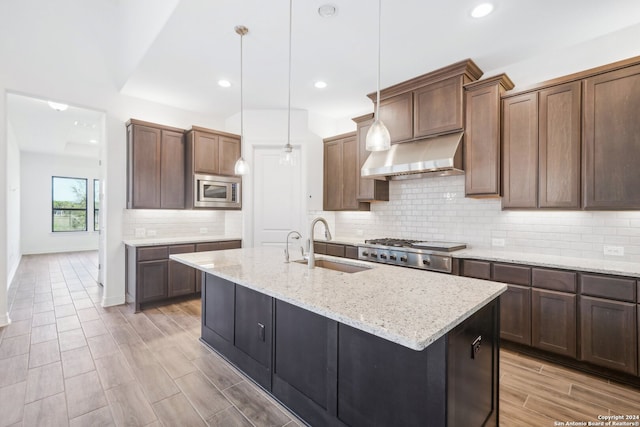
x=277 y=197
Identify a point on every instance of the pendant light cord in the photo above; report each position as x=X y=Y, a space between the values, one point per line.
x=288 y=147
x=241 y=93
x=379 y=50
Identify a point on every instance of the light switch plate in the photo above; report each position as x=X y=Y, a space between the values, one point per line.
x=614 y=250
x=151 y=233
x=498 y=243
x=140 y=232
x=204 y=230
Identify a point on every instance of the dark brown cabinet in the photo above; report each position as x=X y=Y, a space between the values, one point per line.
x=611 y=144
x=437 y=108
x=155 y=166
x=367 y=189
x=182 y=278
x=341 y=173
x=520 y=151
x=559 y=146
x=515 y=314
x=218 y=308
x=608 y=334
x=482 y=136
x=152 y=277
x=397 y=115
x=253 y=324
x=211 y=152
x=553 y=321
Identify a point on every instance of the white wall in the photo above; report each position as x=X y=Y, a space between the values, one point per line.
x=36 y=172
x=13 y=204
x=436 y=209
x=4 y=283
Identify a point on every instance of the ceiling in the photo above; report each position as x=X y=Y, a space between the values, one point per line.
x=173 y=52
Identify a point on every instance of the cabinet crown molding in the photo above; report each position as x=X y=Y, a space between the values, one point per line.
x=501 y=79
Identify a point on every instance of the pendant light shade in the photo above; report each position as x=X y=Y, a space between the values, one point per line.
x=378 y=138
x=241 y=167
x=287 y=158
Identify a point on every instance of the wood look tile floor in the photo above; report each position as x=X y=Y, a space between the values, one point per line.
x=66 y=361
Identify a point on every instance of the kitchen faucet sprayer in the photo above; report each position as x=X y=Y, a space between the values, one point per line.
x=327 y=234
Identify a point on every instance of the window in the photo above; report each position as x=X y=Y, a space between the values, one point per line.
x=69 y=209
x=96 y=204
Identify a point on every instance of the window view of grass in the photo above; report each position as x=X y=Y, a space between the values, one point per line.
x=69 y=204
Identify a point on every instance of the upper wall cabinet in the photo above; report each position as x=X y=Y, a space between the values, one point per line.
x=611 y=130
x=341 y=173
x=428 y=105
x=367 y=189
x=482 y=136
x=155 y=166
x=211 y=152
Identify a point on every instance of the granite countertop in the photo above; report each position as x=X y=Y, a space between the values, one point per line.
x=591 y=265
x=410 y=307
x=605 y=266
x=177 y=240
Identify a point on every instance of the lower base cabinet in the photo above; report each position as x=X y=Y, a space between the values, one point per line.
x=331 y=374
x=553 y=322
x=515 y=314
x=608 y=330
x=152 y=277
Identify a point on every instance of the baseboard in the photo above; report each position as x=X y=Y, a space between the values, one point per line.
x=111 y=301
x=13 y=270
x=5 y=320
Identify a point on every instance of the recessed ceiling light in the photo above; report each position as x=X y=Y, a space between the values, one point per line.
x=482 y=10
x=320 y=84
x=224 y=83
x=58 y=106
x=328 y=10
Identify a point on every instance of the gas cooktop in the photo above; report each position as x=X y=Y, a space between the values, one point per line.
x=428 y=255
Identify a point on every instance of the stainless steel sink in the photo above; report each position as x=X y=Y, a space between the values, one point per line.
x=337 y=266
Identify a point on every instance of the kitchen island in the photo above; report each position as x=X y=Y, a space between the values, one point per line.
x=382 y=346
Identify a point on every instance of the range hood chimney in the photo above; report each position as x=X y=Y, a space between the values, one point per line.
x=437 y=156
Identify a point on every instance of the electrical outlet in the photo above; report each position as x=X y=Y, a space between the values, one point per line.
x=151 y=233
x=140 y=232
x=614 y=250
x=359 y=233
x=498 y=243
x=204 y=230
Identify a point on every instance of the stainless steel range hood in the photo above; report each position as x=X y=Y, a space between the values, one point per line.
x=438 y=156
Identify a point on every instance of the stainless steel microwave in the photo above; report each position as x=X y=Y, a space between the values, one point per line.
x=212 y=191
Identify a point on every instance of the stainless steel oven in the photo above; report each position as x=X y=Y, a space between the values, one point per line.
x=212 y=191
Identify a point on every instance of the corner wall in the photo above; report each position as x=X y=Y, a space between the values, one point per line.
x=14 y=253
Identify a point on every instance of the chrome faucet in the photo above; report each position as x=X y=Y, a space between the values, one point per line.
x=296 y=236
x=327 y=234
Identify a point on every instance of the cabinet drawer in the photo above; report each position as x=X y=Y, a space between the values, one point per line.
x=231 y=244
x=181 y=249
x=608 y=287
x=351 y=252
x=320 y=248
x=563 y=281
x=205 y=247
x=335 y=250
x=153 y=253
x=477 y=269
x=513 y=274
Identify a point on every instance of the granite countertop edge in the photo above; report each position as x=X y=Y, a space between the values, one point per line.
x=177 y=240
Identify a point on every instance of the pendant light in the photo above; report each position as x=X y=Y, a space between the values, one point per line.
x=241 y=167
x=378 y=138
x=287 y=158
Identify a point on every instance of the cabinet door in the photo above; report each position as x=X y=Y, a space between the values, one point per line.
x=520 y=151
x=350 y=173
x=608 y=334
x=253 y=324
x=182 y=279
x=553 y=322
x=205 y=153
x=152 y=280
x=333 y=175
x=515 y=314
x=611 y=144
x=482 y=142
x=559 y=146
x=172 y=170
x=219 y=306
x=368 y=189
x=229 y=153
x=397 y=115
x=438 y=108
x=144 y=167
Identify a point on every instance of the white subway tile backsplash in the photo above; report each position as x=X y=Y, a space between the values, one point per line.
x=436 y=209
x=174 y=223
